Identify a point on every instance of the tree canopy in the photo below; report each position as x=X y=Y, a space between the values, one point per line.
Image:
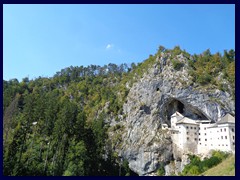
x=58 y=125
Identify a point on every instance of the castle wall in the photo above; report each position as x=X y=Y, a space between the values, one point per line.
x=203 y=140
x=202 y=137
x=222 y=138
x=190 y=137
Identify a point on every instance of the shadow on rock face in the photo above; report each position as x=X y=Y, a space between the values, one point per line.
x=146 y=109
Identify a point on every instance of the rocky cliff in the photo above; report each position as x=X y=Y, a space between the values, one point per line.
x=151 y=101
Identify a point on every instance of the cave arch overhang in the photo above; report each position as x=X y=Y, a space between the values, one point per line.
x=172 y=104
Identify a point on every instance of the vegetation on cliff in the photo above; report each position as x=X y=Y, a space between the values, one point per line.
x=198 y=166
x=59 y=125
x=225 y=168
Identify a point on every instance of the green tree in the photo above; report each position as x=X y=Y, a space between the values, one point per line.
x=76 y=159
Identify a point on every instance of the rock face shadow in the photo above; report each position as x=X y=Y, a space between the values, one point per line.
x=146 y=109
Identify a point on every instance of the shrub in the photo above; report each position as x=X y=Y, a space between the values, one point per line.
x=208 y=163
x=222 y=87
x=220 y=154
x=177 y=65
x=196 y=166
x=194 y=170
x=116 y=127
x=161 y=171
x=176 y=51
x=204 y=78
x=195 y=160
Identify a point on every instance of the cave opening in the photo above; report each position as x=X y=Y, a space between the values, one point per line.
x=174 y=106
x=180 y=107
x=187 y=110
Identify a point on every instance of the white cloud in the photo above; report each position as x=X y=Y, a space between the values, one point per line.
x=109 y=46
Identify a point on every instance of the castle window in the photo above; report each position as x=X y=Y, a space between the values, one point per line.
x=187 y=133
x=224 y=129
x=205 y=134
x=205 y=144
x=200 y=143
x=187 y=127
x=232 y=130
x=219 y=145
x=225 y=137
x=211 y=144
x=204 y=128
x=222 y=144
x=195 y=133
x=226 y=145
x=233 y=144
x=187 y=138
x=233 y=137
x=205 y=139
x=199 y=139
x=221 y=130
x=199 y=133
x=195 y=139
x=191 y=127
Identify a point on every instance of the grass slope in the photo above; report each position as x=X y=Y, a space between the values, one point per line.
x=225 y=168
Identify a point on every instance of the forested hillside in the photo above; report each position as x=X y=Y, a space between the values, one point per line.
x=60 y=126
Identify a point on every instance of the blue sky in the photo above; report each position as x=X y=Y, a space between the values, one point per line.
x=39 y=40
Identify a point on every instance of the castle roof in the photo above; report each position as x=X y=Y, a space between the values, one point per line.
x=186 y=120
x=203 y=121
x=177 y=114
x=228 y=118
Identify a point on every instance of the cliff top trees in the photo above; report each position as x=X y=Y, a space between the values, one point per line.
x=72 y=108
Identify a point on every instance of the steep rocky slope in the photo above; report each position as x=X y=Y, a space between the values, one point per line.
x=101 y=120
x=151 y=101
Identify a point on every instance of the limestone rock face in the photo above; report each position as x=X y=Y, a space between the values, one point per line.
x=150 y=103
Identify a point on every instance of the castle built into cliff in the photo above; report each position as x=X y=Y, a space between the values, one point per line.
x=202 y=136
